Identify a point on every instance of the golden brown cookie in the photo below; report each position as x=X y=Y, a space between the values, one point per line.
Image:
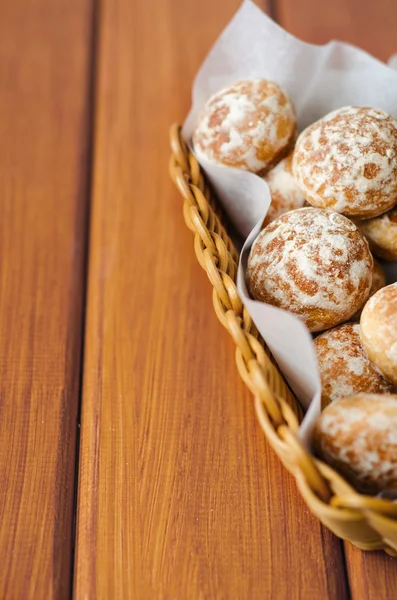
x=381 y=233
x=379 y=330
x=344 y=366
x=378 y=282
x=358 y=437
x=247 y=125
x=314 y=263
x=285 y=192
x=347 y=161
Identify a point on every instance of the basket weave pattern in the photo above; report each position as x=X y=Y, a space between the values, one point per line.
x=369 y=523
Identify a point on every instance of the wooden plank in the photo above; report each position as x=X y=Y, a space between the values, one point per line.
x=372 y=575
x=369 y=25
x=44 y=93
x=372 y=26
x=179 y=495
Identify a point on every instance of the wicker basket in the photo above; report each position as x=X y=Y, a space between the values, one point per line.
x=369 y=523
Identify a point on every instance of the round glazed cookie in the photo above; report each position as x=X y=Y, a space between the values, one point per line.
x=378 y=330
x=248 y=125
x=347 y=161
x=381 y=233
x=344 y=366
x=314 y=263
x=378 y=282
x=285 y=192
x=358 y=437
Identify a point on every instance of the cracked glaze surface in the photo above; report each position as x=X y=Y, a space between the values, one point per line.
x=347 y=161
x=314 y=263
x=247 y=125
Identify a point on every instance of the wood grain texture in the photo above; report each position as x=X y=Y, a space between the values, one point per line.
x=44 y=82
x=369 y=25
x=372 y=26
x=372 y=576
x=179 y=495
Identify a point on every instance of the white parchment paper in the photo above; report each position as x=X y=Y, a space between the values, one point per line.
x=318 y=79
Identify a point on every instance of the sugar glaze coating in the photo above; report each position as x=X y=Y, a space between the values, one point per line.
x=347 y=161
x=314 y=263
x=358 y=436
x=381 y=233
x=247 y=125
x=379 y=330
x=378 y=282
x=285 y=192
x=344 y=366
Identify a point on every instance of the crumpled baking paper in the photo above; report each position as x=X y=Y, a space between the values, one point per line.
x=318 y=79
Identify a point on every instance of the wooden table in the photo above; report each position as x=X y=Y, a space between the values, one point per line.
x=116 y=379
